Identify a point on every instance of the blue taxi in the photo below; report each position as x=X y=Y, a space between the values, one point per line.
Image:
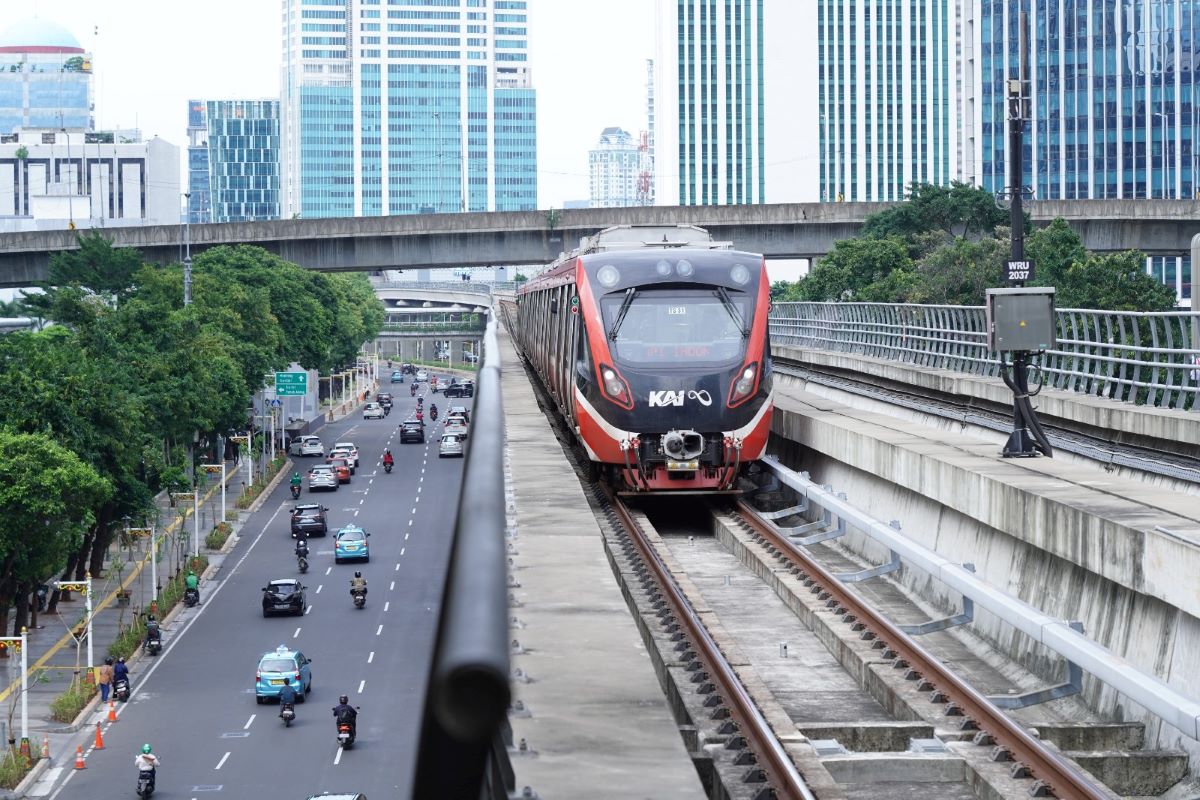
x=351 y=545
x=278 y=664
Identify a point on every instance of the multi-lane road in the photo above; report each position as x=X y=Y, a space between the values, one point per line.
x=195 y=703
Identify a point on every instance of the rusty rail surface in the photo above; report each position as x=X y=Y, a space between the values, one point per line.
x=1057 y=773
x=771 y=757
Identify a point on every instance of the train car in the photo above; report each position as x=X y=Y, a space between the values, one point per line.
x=653 y=342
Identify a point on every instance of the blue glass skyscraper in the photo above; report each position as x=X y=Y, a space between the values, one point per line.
x=243 y=159
x=407 y=106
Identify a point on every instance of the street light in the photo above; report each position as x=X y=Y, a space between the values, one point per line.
x=1168 y=190
x=187 y=250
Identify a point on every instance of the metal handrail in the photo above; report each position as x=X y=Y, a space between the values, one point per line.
x=1143 y=358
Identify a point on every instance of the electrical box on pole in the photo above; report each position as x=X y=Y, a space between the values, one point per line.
x=1021 y=319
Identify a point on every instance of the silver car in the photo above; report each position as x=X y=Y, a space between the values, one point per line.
x=373 y=411
x=322 y=477
x=451 y=445
x=307 y=446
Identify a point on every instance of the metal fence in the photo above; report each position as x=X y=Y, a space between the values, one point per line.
x=1142 y=358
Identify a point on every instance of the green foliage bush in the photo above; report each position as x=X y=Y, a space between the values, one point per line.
x=14 y=767
x=67 y=705
x=220 y=533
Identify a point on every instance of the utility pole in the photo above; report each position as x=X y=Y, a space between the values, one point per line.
x=438 y=144
x=187 y=252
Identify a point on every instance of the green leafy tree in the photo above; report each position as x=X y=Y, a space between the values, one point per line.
x=853 y=265
x=958 y=210
x=48 y=495
x=960 y=272
x=1114 y=282
x=1054 y=249
x=96 y=267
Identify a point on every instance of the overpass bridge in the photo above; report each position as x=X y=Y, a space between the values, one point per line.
x=794 y=230
x=428 y=318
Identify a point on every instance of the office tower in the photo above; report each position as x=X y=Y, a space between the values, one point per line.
x=888 y=100
x=407 y=107
x=729 y=131
x=613 y=167
x=243 y=159
x=45 y=78
x=199 y=200
x=1115 y=96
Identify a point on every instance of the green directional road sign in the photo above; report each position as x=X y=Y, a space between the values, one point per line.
x=291 y=384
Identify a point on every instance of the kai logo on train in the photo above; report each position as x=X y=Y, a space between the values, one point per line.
x=666 y=397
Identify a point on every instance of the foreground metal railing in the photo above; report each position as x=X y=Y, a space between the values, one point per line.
x=466 y=701
x=1146 y=358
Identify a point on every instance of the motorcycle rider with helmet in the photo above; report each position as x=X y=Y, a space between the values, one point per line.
x=147 y=762
x=343 y=712
x=358 y=584
x=388 y=460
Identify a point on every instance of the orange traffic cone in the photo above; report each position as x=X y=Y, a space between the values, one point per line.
x=112 y=711
x=46 y=749
x=79 y=758
x=99 y=739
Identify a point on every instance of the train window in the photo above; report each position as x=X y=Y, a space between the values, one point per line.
x=673 y=325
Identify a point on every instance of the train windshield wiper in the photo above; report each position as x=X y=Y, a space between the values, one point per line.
x=630 y=293
x=733 y=311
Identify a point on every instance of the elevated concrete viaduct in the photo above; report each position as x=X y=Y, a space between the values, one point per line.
x=798 y=230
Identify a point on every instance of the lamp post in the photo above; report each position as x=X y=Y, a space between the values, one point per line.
x=84 y=586
x=194 y=496
x=149 y=533
x=21 y=643
x=70 y=188
x=211 y=469
x=1167 y=188
x=187 y=250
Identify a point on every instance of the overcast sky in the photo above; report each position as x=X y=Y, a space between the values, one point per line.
x=151 y=56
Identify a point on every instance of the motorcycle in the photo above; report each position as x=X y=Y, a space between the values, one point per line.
x=154 y=646
x=387 y=467
x=145 y=783
x=295 y=492
x=412 y=390
x=302 y=563
x=433 y=415
x=287 y=714
x=191 y=597
x=121 y=689
x=360 y=599
x=345 y=733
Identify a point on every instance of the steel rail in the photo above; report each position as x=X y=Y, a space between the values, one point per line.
x=769 y=752
x=1063 y=777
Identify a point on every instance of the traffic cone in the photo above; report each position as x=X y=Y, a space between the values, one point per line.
x=99 y=739
x=112 y=711
x=46 y=749
x=79 y=758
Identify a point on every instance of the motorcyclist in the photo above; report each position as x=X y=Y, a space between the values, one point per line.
x=192 y=584
x=433 y=411
x=287 y=696
x=301 y=546
x=297 y=482
x=412 y=389
x=146 y=761
x=153 y=632
x=344 y=712
x=120 y=671
x=358 y=583
x=388 y=460
x=420 y=415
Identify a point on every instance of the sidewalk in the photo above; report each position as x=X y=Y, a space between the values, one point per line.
x=53 y=656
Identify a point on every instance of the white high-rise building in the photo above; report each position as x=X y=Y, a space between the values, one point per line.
x=613 y=168
x=727 y=130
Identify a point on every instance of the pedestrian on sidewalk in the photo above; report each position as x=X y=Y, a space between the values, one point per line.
x=105 y=679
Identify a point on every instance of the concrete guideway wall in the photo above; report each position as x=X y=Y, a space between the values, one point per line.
x=1068 y=539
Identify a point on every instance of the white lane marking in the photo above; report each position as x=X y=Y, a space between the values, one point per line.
x=221 y=763
x=379 y=630
x=296 y=635
x=397 y=567
x=246 y=727
x=418 y=490
x=385 y=605
x=414 y=510
x=319 y=587
x=392 y=588
x=361 y=684
x=328 y=570
x=308 y=609
x=338 y=757
x=370 y=656
x=422 y=470
x=422 y=479
x=410 y=522
x=360 y=502
x=402 y=549
x=356 y=512
x=406 y=536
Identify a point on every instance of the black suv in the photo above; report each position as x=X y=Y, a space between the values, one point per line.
x=461 y=389
x=284 y=596
x=309 y=519
x=412 y=430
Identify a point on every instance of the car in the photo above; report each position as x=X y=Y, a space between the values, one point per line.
x=338 y=796
x=284 y=596
x=457 y=430
x=309 y=519
x=350 y=446
x=459 y=411
x=412 y=430
x=373 y=411
x=322 y=477
x=455 y=390
x=451 y=445
x=307 y=446
x=470 y=358
x=351 y=544
x=343 y=469
x=278 y=664
x=397 y=376
x=384 y=399
x=421 y=376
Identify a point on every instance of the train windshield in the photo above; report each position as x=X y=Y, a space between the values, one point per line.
x=673 y=326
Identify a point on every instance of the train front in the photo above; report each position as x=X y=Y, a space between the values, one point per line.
x=676 y=392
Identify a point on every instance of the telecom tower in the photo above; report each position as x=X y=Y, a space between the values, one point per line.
x=645 y=181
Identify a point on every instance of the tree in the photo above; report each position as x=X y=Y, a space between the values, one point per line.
x=959 y=210
x=1114 y=282
x=852 y=266
x=1054 y=250
x=48 y=495
x=97 y=267
x=960 y=272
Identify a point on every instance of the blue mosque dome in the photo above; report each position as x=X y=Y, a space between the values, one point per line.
x=37 y=35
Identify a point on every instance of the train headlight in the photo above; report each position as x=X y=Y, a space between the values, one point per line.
x=608 y=275
x=744 y=386
x=739 y=274
x=663 y=268
x=615 y=388
x=685 y=268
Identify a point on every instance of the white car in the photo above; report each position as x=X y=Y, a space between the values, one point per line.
x=421 y=376
x=458 y=430
x=307 y=446
x=451 y=445
x=373 y=411
x=349 y=448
